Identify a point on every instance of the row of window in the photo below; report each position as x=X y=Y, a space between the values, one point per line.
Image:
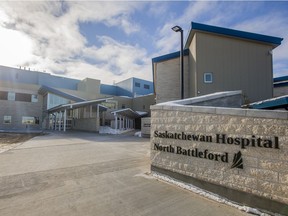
x=12 y=96
x=137 y=84
x=25 y=120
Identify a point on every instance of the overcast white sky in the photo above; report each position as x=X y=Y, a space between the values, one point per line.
x=115 y=40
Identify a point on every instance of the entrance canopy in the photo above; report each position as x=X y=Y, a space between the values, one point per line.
x=59 y=116
x=124 y=119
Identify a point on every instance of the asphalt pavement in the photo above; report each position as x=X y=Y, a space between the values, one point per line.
x=79 y=173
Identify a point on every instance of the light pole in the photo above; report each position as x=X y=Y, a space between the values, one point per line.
x=179 y=29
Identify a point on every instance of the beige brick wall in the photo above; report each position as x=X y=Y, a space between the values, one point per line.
x=265 y=171
x=167 y=81
x=88 y=124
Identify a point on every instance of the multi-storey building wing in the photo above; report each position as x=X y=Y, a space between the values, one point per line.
x=35 y=100
x=218 y=59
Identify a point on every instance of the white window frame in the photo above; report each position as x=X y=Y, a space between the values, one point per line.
x=7 y=118
x=34 y=98
x=11 y=96
x=28 y=120
x=206 y=75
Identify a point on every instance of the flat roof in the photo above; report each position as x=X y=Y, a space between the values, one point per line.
x=275 y=41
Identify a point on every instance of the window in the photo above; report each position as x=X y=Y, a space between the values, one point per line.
x=11 y=96
x=137 y=84
x=23 y=97
x=146 y=86
x=208 y=77
x=30 y=120
x=36 y=120
x=34 y=98
x=3 y=95
x=7 y=119
x=55 y=100
x=123 y=106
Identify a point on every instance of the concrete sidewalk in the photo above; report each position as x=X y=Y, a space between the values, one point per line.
x=90 y=174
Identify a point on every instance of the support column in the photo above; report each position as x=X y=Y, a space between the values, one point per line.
x=124 y=119
x=116 y=121
x=64 y=120
x=54 y=121
x=103 y=118
x=97 y=118
x=120 y=122
x=59 y=121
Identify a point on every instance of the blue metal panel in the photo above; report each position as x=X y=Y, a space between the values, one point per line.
x=108 y=89
x=57 y=82
x=127 y=88
x=49 y=82
x=18 y=76
x=141 y=90
x=37 y=78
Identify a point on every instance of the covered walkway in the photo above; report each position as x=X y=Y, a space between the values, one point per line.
x=67 y=116
x=124 y=119
x=90 y=116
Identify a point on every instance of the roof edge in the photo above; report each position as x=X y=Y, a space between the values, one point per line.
x=275 y=41
x=170 y=56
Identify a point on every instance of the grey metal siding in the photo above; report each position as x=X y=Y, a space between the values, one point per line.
x=235 y=64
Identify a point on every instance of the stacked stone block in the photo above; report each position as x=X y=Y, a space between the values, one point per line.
x=265 y=170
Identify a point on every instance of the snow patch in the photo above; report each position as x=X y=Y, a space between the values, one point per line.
x=144 y=175
x=138 y=134
x=208 y=194
x=108 y=130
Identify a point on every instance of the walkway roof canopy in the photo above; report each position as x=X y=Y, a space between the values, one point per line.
x=127 y=112
x=46 y=89
x=80 y=104
x=273 y=103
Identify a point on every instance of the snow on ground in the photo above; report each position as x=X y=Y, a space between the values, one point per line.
x=138 y=134
x=208 y=194
x=109 y=130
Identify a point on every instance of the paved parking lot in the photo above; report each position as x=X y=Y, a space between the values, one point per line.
x=90 y=174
